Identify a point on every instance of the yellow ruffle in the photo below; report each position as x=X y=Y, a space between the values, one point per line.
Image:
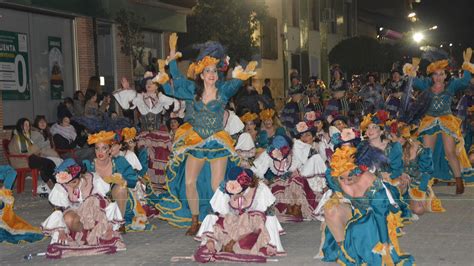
x=453 y=124
x=15 y=224
x=394 y=221
x=416 y=194
x=190 y=137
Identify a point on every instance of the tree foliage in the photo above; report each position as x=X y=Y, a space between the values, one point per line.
x=130 y=30
x=230 y=22
x=364 y=54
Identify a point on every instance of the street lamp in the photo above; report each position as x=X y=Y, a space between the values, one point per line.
x=418 y=37
x=412 y=15
x=450 y=44
x=434 y=27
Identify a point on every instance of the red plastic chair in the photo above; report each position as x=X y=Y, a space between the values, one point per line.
x=21 y=172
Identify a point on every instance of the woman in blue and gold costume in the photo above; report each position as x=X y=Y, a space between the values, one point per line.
x=202 y=150
x=397 y=181
x=361 y=228
x=121 y=176
x=418 y=164
x=439 y=127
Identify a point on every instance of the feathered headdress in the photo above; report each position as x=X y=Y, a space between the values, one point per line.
x=343 y=160
x=247 y=117
x=439 y=59
x=103 y=136
x=378 y=118
x=368 y=157
x=267 y=114
x=129 y=133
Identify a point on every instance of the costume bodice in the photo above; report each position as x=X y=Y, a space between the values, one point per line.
x=208 y=118
x=440 y=103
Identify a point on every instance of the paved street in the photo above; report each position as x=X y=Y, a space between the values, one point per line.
x=436 y=239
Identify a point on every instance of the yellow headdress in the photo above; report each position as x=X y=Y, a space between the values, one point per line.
x=129 y=133
x=198 y=67
x=103 y=136
x=267 y=114
x=437 y=65
x=247 y=117
x=343 y=160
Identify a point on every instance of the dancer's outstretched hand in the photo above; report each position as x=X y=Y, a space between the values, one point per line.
x=467 y=65
x=467 y=55
x=240 y=73
x=162 y=76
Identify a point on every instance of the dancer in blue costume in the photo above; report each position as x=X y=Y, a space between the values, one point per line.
x=269 y=129
x=13 y=229
x=439 y=127
x=392 y=173
x=361 y=228
x=202 y=150
x=122 y=177
x=418 y=164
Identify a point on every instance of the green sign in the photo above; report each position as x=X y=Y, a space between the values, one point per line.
x=55 y=67
x=14 y=74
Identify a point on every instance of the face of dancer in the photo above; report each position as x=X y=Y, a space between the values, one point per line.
x=347 y=180
x=102 y=151
x=174 y=124
x=268 y=123
x=340 y=125
x=250 y=126
x=373 y=132
x=209 y=75
x=115 y=149
x=307 y=138
x=318 y=124
x=439 y=76
x=132 y=143
x=150 y=86
x=337 y=75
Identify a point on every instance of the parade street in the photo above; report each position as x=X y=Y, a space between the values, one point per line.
x=435 y=239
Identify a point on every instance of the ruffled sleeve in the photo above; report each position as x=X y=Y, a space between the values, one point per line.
x=58 y=197
x=422 y=83
x=396 y=162
x=264 y=198
x=126 y=170
x=300 y=154
x=459 y=83
x=53 y=224
x=425 y=166
x=332 y=184
x=261 y=164
x=125 y=97
x=182 y=88
x=220 y=202
x=165 y=101
x=313 y=166
x=280 y=132
x=100 y=186
x=262 y=139
x=234 y=125
x=132 y=159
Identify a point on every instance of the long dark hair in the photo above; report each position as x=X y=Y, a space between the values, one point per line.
x=46 y=134
x=19 y=129
x=89 y=94
x=199 y=88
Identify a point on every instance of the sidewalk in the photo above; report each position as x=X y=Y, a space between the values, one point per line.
x=436 y=239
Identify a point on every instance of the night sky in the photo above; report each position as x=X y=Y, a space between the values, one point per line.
x=455 y=20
